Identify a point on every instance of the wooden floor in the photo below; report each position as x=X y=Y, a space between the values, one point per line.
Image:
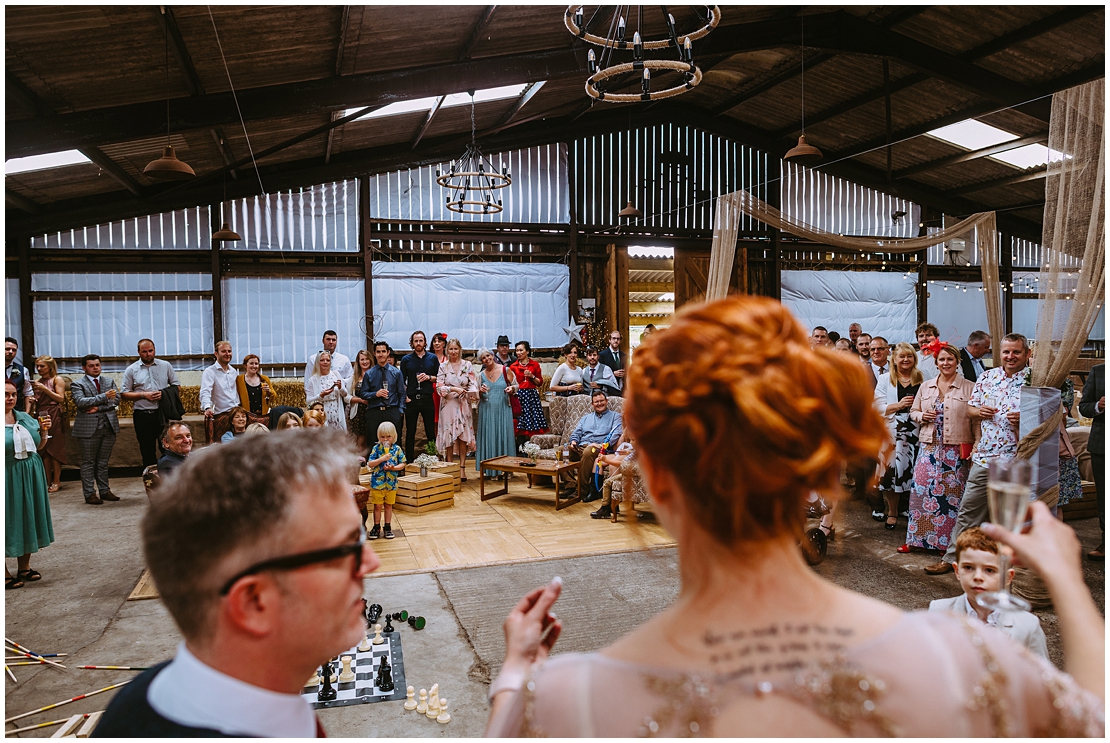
x=520 y=526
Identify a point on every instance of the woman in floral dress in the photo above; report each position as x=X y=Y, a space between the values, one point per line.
x=529 y=378
x=457 y=384
x=940 y=474
x=894 y=396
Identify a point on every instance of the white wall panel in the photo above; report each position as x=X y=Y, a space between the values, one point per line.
x=474 y=302
x=317 y=218
x=283 y=319
x=883 y=303
x=184 y=229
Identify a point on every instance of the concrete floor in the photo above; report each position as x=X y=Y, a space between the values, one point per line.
x=80 y=608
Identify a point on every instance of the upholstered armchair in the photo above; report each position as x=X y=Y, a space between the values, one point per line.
x=564 y=414
x=630 y=484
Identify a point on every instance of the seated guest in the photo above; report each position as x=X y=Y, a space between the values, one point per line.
x=315 y=403
x=177 y=443
x=979 y=570
x=238 y=425
x=567 y=379
x=248 y=547
x=614 y=461
x=762 y=644
x=599 y=376
x=288 y=420
x=256 y=428
x=314 y=419
x=596 y=431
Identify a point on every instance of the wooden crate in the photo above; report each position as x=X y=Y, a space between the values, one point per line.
x=416 y=494
x=451 y=469
x=1084 y=508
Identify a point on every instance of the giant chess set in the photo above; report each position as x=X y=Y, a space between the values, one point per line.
x=372 y=671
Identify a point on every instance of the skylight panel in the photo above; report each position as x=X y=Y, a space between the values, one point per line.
x=1029 y=156
x=455 y=99
x=972 y=134
x=44 y=162
x=641 y=251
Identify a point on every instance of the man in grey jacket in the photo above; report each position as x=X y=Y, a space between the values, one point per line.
x=96 y=426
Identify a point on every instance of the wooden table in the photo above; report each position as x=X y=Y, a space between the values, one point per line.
x=522 y=465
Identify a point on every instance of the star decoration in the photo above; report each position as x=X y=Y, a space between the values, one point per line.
x=574 y=331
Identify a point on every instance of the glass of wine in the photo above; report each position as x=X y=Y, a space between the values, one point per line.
x=1009 y=491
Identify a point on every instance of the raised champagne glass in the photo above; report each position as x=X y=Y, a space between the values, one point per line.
x=1009 y=491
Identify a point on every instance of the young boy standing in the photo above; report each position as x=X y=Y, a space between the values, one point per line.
x=386 y=460
x=979 y=570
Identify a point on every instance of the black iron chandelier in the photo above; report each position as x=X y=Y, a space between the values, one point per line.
x=603 y=68
x=473 y=179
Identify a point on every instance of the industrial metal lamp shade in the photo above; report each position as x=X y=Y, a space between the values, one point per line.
x=804 y=153
x=630 y=212
x=169 y=168
x=224 y=234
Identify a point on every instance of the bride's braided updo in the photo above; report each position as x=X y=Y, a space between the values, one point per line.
x=747 y=417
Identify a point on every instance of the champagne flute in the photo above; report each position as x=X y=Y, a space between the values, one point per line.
x=42 y=422
x=1009 y=491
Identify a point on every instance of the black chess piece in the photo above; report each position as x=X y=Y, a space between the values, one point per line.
x=374 y=613
x=401 y=616
x=388 y=624
x=384 y=681
x=327 y=692
x=417 y=623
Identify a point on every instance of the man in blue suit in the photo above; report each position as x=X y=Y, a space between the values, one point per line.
x=96 y=397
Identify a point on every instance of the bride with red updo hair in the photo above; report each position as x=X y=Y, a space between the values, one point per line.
x=737 y=421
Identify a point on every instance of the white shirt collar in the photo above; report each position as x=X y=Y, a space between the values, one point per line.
x=992 y=618
x=192 y=693
x=92 y=379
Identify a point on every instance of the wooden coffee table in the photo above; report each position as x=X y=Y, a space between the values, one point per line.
x=523 y=465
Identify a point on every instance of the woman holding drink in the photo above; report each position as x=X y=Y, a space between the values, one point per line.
x=495 y=411
x=326 y=385
x=50 y=393
x=27 y=524
x=457 y=386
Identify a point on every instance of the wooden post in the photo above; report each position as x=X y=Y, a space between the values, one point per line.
x=923 y=286
x=1006 y=276
x=26 y=307
x=776 y=246
x=610 y=294
x=573 y=235
x=214 y=216
x=364 y=236
x=621 y=297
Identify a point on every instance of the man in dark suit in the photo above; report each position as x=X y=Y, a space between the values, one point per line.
x=96 y=426
x=978 y=346
x=1093 y=406
x=19 y=375
x=615 y=360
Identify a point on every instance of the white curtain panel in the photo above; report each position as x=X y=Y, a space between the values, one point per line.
x=184 y=229
x=12 y=318
x=318 y=218
x=474 y=302
x=283 y=319
x=883 y=303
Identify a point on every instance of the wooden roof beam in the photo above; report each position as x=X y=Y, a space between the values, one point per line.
x=521 y=102
x=180 y=53
x=964 y=157
x=225 y=149
x=774 y=81
x=427 y=121
x=340 y=46
x=1032 y=175
x=476 y=35
x=19 y=201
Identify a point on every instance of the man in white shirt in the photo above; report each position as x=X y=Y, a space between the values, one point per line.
x=259 y=554
x=926 y=334
x=340 y=364
x=218 y=394
x=143 y=383
x=597 y=375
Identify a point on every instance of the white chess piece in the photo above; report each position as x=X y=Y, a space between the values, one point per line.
x=423 y=706
x=410 y=701
x=315 y=680
x=378 y=639
x=347 y=675
x=443 y=718
x=433 y=702
x=364 y=646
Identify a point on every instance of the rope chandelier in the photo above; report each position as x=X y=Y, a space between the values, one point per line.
x=603 y=68
x=473 y=178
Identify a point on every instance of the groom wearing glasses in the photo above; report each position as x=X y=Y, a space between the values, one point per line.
x=259 y=553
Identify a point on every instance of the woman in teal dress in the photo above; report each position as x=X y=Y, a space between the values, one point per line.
x=495 y=412
x=27 y=526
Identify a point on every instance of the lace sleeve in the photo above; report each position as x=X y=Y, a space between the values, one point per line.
x=1079 y=713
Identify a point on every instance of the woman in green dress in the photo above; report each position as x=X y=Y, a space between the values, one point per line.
x=27 y=526
x=495 y=412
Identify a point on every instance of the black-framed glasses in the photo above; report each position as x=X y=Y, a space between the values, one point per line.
x=291 y=562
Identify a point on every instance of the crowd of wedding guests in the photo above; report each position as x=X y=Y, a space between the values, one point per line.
x=949 y=416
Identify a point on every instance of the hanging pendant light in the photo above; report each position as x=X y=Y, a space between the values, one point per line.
x=168 y=167
x=630 y=212
x=804 y=153
x=225 y=234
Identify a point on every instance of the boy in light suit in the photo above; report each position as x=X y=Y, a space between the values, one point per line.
x=979 y=570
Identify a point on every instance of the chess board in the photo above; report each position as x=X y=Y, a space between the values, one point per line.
x=365 y=665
